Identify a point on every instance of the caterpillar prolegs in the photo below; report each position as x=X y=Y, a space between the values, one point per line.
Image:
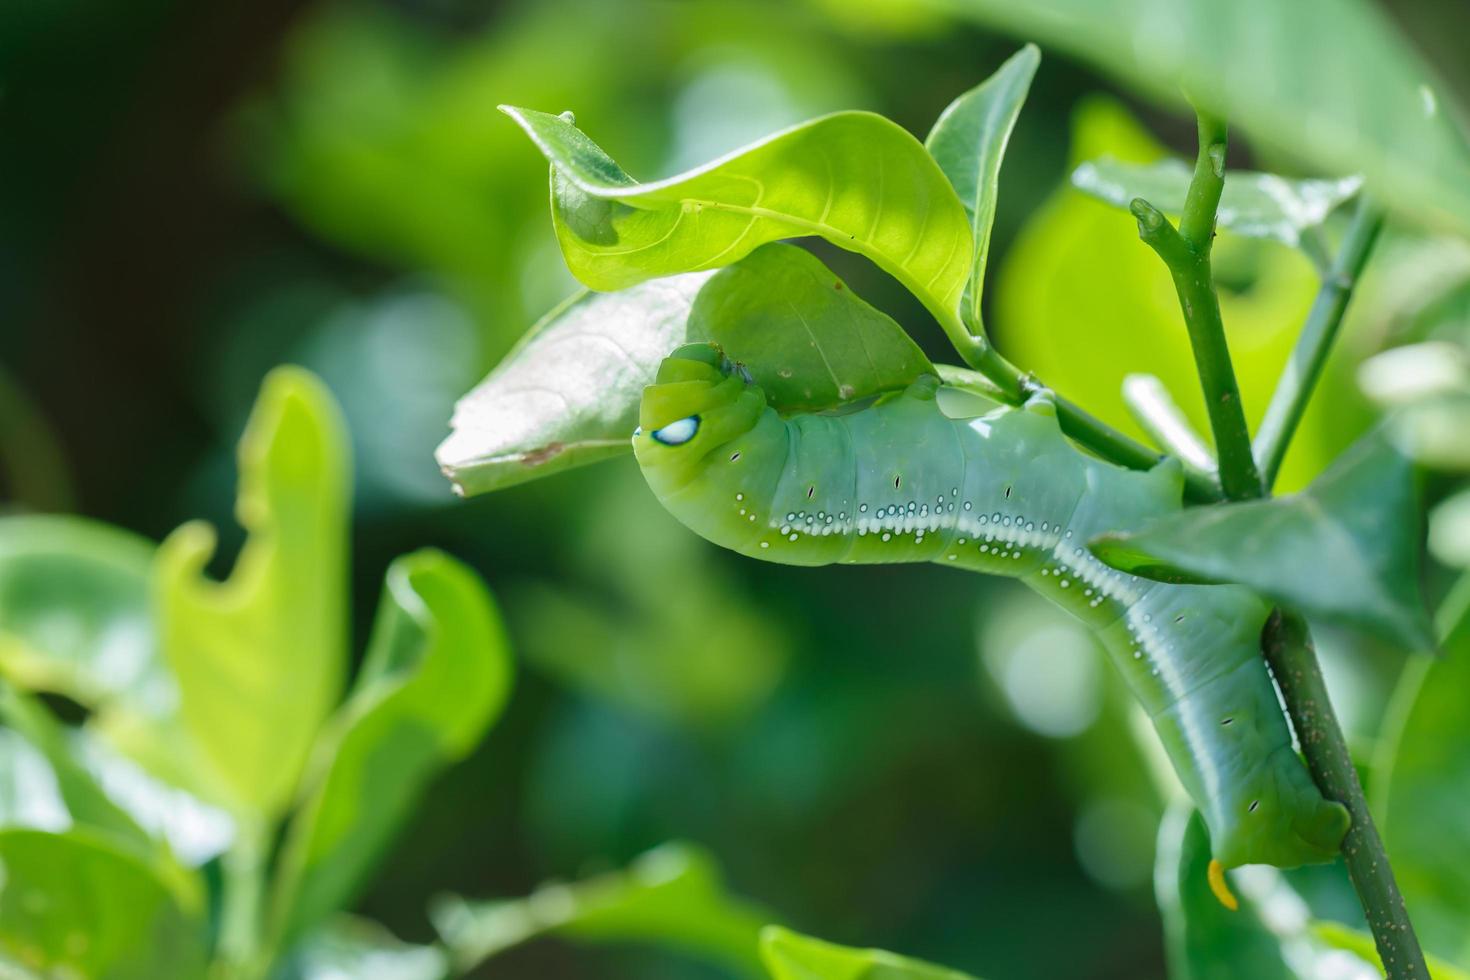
x=1002 y=493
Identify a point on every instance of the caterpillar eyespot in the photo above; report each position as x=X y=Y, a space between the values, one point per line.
x=677 y=433
x=1027 y=500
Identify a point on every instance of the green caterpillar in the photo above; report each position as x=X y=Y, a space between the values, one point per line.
x=1003 y=493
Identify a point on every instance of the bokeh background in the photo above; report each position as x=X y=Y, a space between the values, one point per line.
x=902 y=757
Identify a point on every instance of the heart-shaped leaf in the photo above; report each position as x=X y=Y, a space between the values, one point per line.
x=1254 y=204
x=853 y=178
x=791 y=956
x=1346 y=549
x=968 y=142
x=259 y=658
x=1268 y=68
x=436 y=674
x=672 y=896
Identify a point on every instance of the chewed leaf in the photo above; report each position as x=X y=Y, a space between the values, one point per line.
x=436 y=674
x=807 y=339
x=259 y=658
x=672 y=896
x=1345 y=550
x=567 y=395
x=1254 y=204
x=791 y=956
x=853 y=178
x=968 y=142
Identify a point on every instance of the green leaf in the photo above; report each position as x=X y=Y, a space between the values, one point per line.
x=1254 y=204
x=1269 y=70
x=1345 y=550
x=568 y=394
x=437 y=673
x=1267 y=936
x=74 y=612
x=791 y=956
x=968 y=142
x=1449 y=530
x=806 y=338
x=30 y=794
x=672 y=896
x=259 y=658
x=348 y=946
x=853 y=178
x=1339 y=936
x=75 y=905
x=1423 y=780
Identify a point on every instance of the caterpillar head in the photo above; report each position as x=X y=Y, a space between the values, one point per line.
x=698 y=402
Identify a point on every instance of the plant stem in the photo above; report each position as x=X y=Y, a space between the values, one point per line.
x=1289 y=650
x=1294 y=390
x=1159 y=416
x=240 y=954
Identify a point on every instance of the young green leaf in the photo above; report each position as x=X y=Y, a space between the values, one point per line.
x=74 y=613
x=791 y=956
x=1254 y=204
x=75 y=905
x=1256 y=63
x=1423 y=780
x=808 y=340
x=853 y=178
x=1345 y=550
x=437 y=673
x=968 y=142
x=567 y=395
x=259 y=658
x=672 y=896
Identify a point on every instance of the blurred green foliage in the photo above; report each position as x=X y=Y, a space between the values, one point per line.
x=194 y=196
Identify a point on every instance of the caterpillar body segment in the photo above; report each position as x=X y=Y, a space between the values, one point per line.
x=1004 y=494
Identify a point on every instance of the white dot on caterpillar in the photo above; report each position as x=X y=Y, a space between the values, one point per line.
x=793 y=537
x=785 y=528
x=862 y=508
x=985 y=547
x=742 y=512
x=1137 y=654
x=740 y=496
x=1066 y=583
x=765 y=544
x=952 y=557
x=886 y=535
x=967 y=505
x=960 y=541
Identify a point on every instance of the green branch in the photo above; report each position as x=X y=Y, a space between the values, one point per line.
x=1294 y=390
x=1288 y=648
x=1160 y=416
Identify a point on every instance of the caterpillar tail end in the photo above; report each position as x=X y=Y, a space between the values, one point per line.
x=1220 y=887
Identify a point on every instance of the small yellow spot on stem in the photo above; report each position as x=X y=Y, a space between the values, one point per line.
x=1220 y=887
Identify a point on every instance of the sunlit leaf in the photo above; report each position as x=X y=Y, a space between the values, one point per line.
x=75 y=905
x=1361 y=102
x=791 y=956
x=1423 y=781
x=968 y=142
x=1254 y=204
x=1083 y=303
x=347 y=946
x=1267 y=936
x=568 y=394
x=259 y=658
x=1361 y=944
x=74 y=612
x=437 y=673
x=1449 y=530
x=672 y=896
x=1345 y=550
x=806 y=338
x=853 y=178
